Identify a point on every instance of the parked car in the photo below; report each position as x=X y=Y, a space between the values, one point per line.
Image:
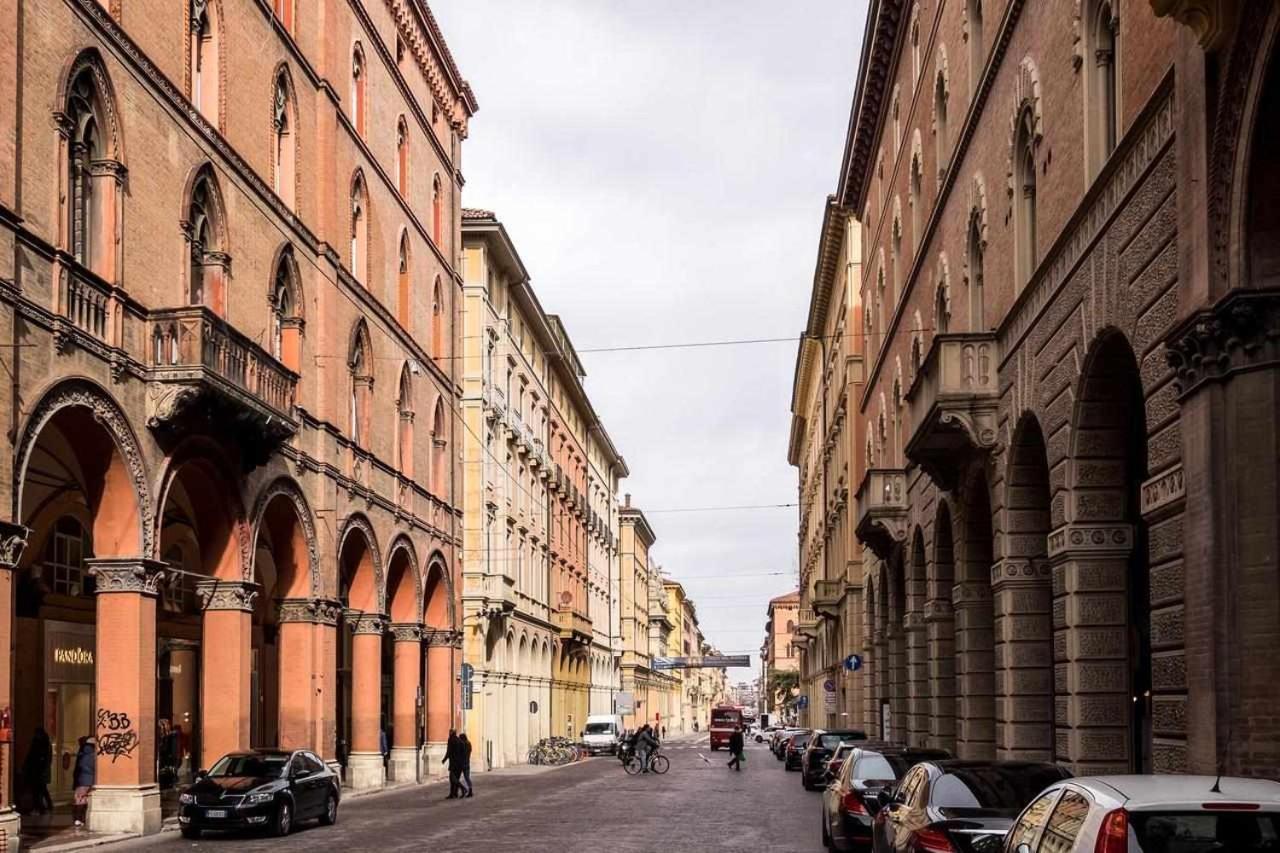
x=780 y=744
x=813 y=763
x=861 y=786
x=794 y=752
x=836 y=761
x=1118 y=814
x=959 y=806
x=260 y=789
x=602 y=733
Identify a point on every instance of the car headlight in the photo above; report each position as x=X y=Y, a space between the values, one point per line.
x=259 y=797
x=187 y=799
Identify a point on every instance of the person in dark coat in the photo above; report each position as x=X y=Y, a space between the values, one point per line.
x=737 y=743
x=36 y=768
x=646 y=743
x=83 y=777
x=453 y=758
x=464 y=755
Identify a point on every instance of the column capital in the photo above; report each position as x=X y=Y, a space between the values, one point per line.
x=365 y=623
x=1074 y=541
x=319 y=611
x=127 y=574
x=406 y=632
x=13 y=541
x=227 y=595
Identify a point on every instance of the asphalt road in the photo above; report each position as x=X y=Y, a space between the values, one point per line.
x=699 y=805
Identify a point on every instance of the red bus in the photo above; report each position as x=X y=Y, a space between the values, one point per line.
x=725 y=720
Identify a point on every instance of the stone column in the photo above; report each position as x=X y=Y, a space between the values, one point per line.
x=975 y=682
x=1023 y=659
x=125 y=797
x=940 y=626
x=13 y=541
x=226 y=650
x=403 y=766
x=305 y=684
x=1090 y=566
x=439 y=687
x=364 y=763
x=917 y=643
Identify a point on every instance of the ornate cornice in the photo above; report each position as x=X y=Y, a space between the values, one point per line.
x=227 y=595
x=319 y=611
x=365 y=623
x=440 y=637
x=884 y=20
x=127 y=574
x=406 y=632
x=1012 y=571
x=1239 y=334
x=13 y=541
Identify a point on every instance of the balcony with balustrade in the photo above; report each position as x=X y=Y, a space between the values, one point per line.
x=827 y=596
x=201 y=367
x=573 y=627
x=953 y=404
x=807 y=622
x=882 y=510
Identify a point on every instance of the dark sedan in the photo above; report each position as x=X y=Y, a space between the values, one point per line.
x=861 y=786
x=813 y=764
x=959 y=806
x=793 y=752
x=262 y=789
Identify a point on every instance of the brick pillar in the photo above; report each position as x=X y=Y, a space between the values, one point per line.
x=940 y=624
x=364 y=763
x=125 y=797
x=975 y=724
x=13 y=541
x=226 y=666
x=1023 y=659
x=407 y=688
x=439 y=696
x=1090 y=565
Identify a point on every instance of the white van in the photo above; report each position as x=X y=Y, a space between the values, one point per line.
x=603 y=733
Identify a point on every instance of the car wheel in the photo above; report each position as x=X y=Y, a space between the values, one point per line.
x=330 y=816
x=190 y=832
x=284 y=819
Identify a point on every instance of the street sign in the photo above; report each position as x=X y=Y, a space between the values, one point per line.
x=802 y=702
x=829 y=685
x=853 y=663
x=626 y=703
x=466 y=696
x=467 y=671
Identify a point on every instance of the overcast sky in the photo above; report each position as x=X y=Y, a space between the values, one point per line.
x=661 y=166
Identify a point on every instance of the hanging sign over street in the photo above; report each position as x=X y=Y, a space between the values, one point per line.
x=709 y=661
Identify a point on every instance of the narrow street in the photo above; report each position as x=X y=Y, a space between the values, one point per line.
x=697 y=806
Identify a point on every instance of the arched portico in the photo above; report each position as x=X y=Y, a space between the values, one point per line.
x=359 y=654
x=441 y=637
x=404 y=603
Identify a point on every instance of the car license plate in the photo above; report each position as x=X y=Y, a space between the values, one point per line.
x=215 y=813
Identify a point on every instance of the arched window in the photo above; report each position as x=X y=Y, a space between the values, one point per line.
x=439 y=451
x=917 y=199
x=941 y=131
x=895 y=249
x=1102 y=30
x=207 y=278
x=359 y=230
x=897 y=124
x=403 y=294
x=286 y=314
x=437 y=210
x=402 y=157
x=438 y=349
x=881 y=302
x=284 y=11
x=94 y=173
x=283 y=174
x=1024 y=191
x=975 y=250
x=358 y=106
x=915 y=46
x=941 y=310
x=977 y=54
x=404 y=423
x=205 y=56
x=67 y=547
x=360 y=366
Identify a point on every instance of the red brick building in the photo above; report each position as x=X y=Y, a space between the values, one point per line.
x=228 y=293
x=1066 y=470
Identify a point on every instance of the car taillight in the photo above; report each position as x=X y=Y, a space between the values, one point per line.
x=933 y=841
x=851 y=803
x=1113 y=837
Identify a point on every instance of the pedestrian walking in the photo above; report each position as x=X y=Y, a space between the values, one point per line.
x=464 y=753
x=83 y=776
x=36 y=769
x=383 y=746
x=453 y=758
x=737 y=745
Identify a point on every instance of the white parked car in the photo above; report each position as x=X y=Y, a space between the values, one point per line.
x=1150 y=814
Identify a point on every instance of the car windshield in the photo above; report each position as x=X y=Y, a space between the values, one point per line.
x=831 y=740
x=880 y=767
x=260 y=766
x=1004 y=790
x=1201 y=832
x=800 y=741
x=599 y=728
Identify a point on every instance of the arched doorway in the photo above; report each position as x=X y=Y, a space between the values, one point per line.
x=359 y=649
x=941 y=625
x=919 y=695
x=975 y=622
x=402 y=661
x=1024 y=595
x=1104 y=563
x=439 y=632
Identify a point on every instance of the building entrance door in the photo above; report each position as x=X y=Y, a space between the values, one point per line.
x=70 y=718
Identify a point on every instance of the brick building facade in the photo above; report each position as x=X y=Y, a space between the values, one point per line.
x=228 y=233
x=1065 y=464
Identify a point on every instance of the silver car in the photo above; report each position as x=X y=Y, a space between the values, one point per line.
x=1150 y=814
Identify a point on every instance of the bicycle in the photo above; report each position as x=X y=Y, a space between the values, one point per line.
x=658 y=763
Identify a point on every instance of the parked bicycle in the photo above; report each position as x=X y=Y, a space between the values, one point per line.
x=555 y=751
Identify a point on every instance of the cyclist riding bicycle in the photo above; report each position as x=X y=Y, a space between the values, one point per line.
x=645 y=745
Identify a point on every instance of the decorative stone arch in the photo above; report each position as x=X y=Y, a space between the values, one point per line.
x=941 y=626
x=358 y=523
x=285 y=257
x=286 y=111
x=214 y=8
x=403 y=544
x=205 y=172
x=437 y=565
x=214 y=462
x=942 y=296
x=978 y=210
x=286 y=487
x=917 y=150
x=91 y=60
x=360 y=227
x=917 y=351
x=82 y=392
x=1026 y=96
x=941 y=80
